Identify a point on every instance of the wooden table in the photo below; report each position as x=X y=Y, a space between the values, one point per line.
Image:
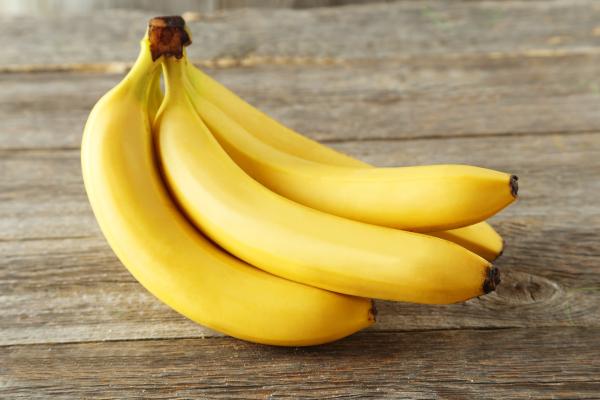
x=508 y=85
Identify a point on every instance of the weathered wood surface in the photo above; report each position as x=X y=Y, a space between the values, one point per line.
x=470 y=96
x=506 y=85
x=320 y=35
x=482 y=364
x=552 y=263
x=47 y=8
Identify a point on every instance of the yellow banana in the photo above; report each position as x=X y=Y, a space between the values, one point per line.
x=171 y=259
x=156 y=96
x=423 y=199
x=295 y=241
x=264 y=127
x=480 y=238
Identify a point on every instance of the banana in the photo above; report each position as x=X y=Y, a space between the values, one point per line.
x=170 y=258
x=480 y=238
x=295 y=241
x=264 y=127
x=422 y=199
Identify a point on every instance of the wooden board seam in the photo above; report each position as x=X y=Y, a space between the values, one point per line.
x=298 y=60
x=363 y=333
x=367 y=139
x=459 y=136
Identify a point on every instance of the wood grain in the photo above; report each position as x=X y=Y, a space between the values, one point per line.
x=468 y=96
x=507 y=364
x=59 y=281
x=317 y=35
x=75 y=7
x=511 y=85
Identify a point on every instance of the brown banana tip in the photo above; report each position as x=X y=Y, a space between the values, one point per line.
x=168 y=36
x=373 y=312
x=514 y=185
x=492 y=280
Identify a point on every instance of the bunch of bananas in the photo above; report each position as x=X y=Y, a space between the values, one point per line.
x=256 y=231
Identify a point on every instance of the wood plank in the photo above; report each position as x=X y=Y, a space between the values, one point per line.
x=47 y=183
x=507 y=364
x=423 y=97
x=507 y=85
x=320 y=35
x=76 y=7
x=59 y=281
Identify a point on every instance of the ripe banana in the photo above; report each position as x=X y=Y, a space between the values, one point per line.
x=422 y=199
x=295 y=241
x=480 y=238
x=264 y=127
x=169 y=257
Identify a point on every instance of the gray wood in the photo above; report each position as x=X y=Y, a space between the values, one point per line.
x=424 y=97
x=60 y=282
x=510 y=85
x=483 y=364
x=321 y=35
x=47 y=8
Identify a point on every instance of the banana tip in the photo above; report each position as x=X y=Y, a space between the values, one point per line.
x=373 y=312
x=492 y=280
x=514 y=185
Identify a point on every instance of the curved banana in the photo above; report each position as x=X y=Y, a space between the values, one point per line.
x=264 y=127
x=295 y=241
x=171 y=259
x=423 y=199
x=480 y=238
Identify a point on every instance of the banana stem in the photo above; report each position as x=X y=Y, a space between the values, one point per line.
x=174 y=73
x=168 y=36
x=155 y=97
x=138 y=78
